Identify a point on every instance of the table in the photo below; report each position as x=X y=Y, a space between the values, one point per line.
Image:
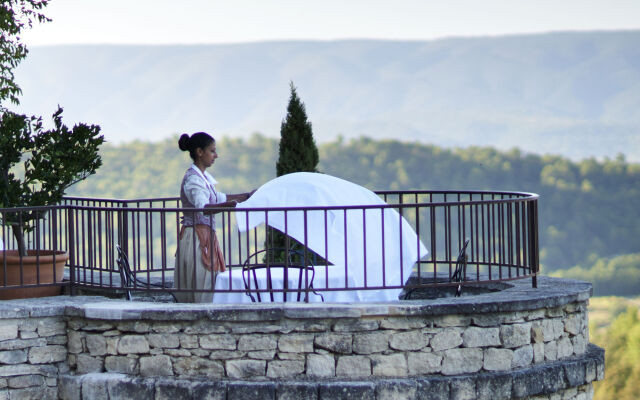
x=335 y=274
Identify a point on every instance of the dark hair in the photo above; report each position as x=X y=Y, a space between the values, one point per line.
x=199 y=140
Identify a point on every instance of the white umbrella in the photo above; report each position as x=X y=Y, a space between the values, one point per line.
x=384 y=257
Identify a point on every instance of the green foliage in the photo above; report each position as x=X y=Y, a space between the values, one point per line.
x=298 y=151
x=53 y=160
x=619 y=276
x=622 y=357
x=15 y=16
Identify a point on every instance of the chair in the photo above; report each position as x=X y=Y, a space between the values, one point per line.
x=250 y=272
x=128 y=278
x=460 y=273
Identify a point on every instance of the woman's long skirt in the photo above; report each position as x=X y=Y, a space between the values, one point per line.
x=190 y=272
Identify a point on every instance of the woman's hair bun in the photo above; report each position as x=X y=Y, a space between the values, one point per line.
x=183 y=142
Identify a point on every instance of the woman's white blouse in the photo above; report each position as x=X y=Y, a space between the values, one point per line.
x=198 y=192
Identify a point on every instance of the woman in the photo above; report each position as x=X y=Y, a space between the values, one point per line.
x=199 y=257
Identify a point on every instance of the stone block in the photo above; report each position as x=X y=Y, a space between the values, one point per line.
x=551 y=351
x=189 y=341
x=353 y=367
x=69 y=387
x=424 y=363
x=39 y=393
x=265 y=354
x=17 y=344
x=296 y=391
x=96 y=345
x=480 y=337
x=163 y=341
x=357 y=325
x=335 y=342
x=515 y=335
x=241 y=369
x=8 y=330
x=60 y=340
x=590 y=371
x=537 y=333
x=292 y=356
x=347 y=390
x=402 y=323
x=25 y=381
x=94 y=388
x=51 y=327
x=221 y=342
x=323 y=366
x=96 y=326
x=494 y=387
x=393 y=365
x=408 y=341
x=573 y=324
x=173 y=390
x=209 y=391
x=195 y=366
x=251 y=390
x=86 y=364
x=462 y=361
x=574 y=373
x=126 y=388
x=553 y=378
x=497 y=359
x=462 y=388
x=133 y=344
x=156 y=366
x=13 y=357
x=284 y=368
x=166 y=327
x=219 y=354
x=112 y=345
x=565 y=347
x=522 y=356
x=134 y=326
x=47 y=354
x=552 y=329
x=398 y=389
x=446 y=339
x=257 y=342
x=526 y=383
x=368 y=343
x=432 y=388
x=579 y=344
x=121 y=364
x=445 y=321
x=487 y=320
x=538 y=353
x=296 y=343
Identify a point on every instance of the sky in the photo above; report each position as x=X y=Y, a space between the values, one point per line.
x=215 y=21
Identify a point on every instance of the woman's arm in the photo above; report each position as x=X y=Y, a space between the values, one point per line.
x=240 y=197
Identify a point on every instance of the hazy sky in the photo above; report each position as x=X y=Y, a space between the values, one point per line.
x=232 y=21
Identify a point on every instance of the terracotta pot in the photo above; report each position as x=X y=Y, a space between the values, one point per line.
x=31 y=264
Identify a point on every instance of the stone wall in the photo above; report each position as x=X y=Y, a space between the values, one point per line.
x=256 y=345
x=518 y=343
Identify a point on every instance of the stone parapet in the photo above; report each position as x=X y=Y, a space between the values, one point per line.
x=495 y=343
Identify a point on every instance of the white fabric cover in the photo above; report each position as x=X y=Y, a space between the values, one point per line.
x=401 y=247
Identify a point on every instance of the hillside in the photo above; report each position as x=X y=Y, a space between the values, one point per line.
x=573 y=94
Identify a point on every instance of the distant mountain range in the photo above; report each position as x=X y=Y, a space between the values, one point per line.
x=575 y=94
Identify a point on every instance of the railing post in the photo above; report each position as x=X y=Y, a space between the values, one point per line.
x=123 y=230
x=72 y=250
x=534 y=256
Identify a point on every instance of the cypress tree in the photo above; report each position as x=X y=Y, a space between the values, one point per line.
x=297 y=151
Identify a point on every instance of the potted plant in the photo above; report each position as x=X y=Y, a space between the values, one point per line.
x=52 y=160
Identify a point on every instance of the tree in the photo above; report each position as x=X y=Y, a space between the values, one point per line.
x=297 y=153
x=52 y=159
x=15 y=16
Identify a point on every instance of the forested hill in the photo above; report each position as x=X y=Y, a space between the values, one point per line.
x=572 y=93
x=588 y=209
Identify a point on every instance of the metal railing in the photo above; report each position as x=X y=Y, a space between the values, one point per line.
x=501 y=227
